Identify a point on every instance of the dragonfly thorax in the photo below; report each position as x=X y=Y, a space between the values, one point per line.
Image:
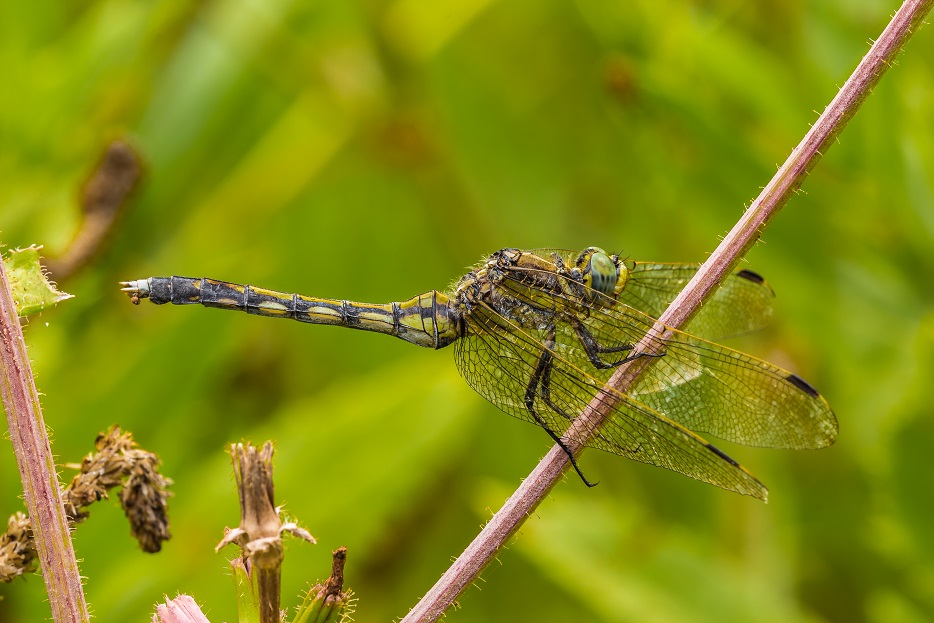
x=530 y=287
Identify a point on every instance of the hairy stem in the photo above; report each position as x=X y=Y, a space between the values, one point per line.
x=37 y=468
x=740 y=239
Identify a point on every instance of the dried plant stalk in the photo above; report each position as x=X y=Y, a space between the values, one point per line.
x=260 y=532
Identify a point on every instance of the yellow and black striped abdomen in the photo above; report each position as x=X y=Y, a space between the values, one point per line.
x=428 y=319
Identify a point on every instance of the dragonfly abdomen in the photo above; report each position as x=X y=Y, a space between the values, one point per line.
x=428 y=319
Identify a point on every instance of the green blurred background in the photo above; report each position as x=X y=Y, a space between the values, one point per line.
x=372 y=151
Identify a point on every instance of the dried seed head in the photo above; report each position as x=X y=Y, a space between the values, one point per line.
x=144 y=495
x=144 y=500
x=17 y=548
x=118 y=460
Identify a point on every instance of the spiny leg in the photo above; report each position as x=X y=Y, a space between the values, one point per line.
x=543 y=370
x=572 y=280
x=544 y=391
x=594 y=349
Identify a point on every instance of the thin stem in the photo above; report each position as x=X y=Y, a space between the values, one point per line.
x=37 y=468
x=743 y=235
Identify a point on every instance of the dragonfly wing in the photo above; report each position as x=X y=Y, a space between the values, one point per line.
x=498 y=359
x=700 y=385
x=729 y=394
x=742 y=304
x=713 y=389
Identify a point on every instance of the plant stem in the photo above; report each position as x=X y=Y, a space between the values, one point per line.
x=720 y=263
x=37 y=468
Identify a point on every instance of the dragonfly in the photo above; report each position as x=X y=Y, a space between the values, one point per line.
x=538 y=333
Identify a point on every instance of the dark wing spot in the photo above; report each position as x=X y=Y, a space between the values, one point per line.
x=751 y=276
x=803 y=385
x=722 y=455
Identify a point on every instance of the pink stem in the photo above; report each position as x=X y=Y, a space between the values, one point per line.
x=37 y=468
x=743 y=235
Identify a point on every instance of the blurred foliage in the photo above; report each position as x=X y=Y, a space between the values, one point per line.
x=371 y=151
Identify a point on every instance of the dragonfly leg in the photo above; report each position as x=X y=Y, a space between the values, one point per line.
x=541 y=383
x=544 y=391
x=572 y=279
x=594 y=349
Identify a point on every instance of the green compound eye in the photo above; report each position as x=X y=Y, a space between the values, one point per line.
x=603 y=273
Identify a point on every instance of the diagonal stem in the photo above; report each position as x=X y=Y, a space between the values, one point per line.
x=37 y=468
x=744 y=234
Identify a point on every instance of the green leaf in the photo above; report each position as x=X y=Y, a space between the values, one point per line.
x=32 y=291
x=247 y=602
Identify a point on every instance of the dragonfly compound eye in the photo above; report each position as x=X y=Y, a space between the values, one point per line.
x=603 y=273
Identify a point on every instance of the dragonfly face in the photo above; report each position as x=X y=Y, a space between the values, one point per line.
x=599 y=272
x=540 y=333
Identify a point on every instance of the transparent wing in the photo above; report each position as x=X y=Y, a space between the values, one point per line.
x=700 y=385
x=499 y=359
x=741 y=305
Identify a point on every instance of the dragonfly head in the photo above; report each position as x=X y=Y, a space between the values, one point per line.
x=604 y=273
